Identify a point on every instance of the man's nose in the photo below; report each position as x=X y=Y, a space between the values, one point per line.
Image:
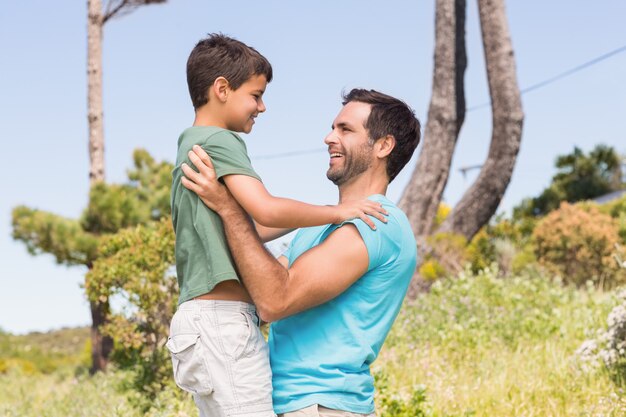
x=330 y=138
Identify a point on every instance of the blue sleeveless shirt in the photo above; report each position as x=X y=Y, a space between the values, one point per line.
x=323 y=355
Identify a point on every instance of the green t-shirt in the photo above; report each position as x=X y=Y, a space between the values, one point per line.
x=202 y=256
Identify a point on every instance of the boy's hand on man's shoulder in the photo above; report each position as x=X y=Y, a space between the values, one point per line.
x=361 y=209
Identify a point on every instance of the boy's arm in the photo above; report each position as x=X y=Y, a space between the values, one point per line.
x=268 y=234
x=277 y=212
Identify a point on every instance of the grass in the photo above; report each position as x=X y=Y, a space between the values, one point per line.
x=474 y=346
x=65 y=350
x=52 y=395
x=485 y=346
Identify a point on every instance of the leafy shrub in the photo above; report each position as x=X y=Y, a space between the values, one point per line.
x=502 y=242
x=577 y=244
x=431 y=270
x=609 y=347
x=447 y=255
x=617 y=210
x=615 y=207
x=524 y=258
x=580 y=177
x=449 y=250
x=135 y=270
x=482 y=250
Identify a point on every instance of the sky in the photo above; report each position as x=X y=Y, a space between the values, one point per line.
x=317 y=49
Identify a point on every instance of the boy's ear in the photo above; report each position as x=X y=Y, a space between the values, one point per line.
x=385 y=145
x=220 y=89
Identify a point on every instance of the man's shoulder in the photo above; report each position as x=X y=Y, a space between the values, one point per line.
x=393 y=239
x=396 y=219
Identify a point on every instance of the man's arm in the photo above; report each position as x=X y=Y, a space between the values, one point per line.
x=317 y=276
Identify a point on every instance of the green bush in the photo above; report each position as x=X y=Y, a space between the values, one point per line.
x=617 y=210
x=135 y=267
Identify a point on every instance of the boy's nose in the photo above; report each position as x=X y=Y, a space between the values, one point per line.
x=261 y=106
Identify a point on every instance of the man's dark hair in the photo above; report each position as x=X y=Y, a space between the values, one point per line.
x=389 y=116
x=218 y=55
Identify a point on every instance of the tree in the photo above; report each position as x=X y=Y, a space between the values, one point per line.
x=135 y=267
x=96 y=19
x=111 y=208
x=481 y=201
x=445 y=118
x=579 y=177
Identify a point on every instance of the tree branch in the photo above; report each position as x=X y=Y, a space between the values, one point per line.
x=119 y=8
x=45 y=232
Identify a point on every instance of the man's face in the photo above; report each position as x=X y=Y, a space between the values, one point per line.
x=348 y=144
x=245 y=103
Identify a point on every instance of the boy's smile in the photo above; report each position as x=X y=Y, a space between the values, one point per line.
x=244 y=104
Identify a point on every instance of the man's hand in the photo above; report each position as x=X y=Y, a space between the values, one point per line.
x=212 y=193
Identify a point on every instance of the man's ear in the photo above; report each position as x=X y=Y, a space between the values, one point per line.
x=385 y=145
x=220 y=89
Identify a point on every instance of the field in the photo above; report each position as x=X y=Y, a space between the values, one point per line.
x=474 y=346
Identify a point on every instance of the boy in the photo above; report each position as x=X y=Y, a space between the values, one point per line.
x=218 y=351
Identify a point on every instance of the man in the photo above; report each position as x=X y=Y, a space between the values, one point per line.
x=333 y=296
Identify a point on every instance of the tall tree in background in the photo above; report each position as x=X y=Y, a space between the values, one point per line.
x=481 y=201
x=446 y=114
x=445 y=118
x=74 y=242
x=96 y=19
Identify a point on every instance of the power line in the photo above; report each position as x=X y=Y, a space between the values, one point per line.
x=293 y=153
x=523 y=91
x=559 y=76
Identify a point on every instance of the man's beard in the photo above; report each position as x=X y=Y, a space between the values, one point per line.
x=354 y=164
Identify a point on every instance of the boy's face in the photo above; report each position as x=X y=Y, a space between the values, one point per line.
x=244 y=104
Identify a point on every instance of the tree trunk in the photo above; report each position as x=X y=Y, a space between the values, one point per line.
x=446 y=113
x=101 y=345
x=94 y=90
x=481 y=201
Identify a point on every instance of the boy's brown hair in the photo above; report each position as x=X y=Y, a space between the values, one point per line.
x=218 y=55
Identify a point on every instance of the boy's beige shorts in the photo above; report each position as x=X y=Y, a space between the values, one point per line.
x=220 y=356
x=319 y=411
